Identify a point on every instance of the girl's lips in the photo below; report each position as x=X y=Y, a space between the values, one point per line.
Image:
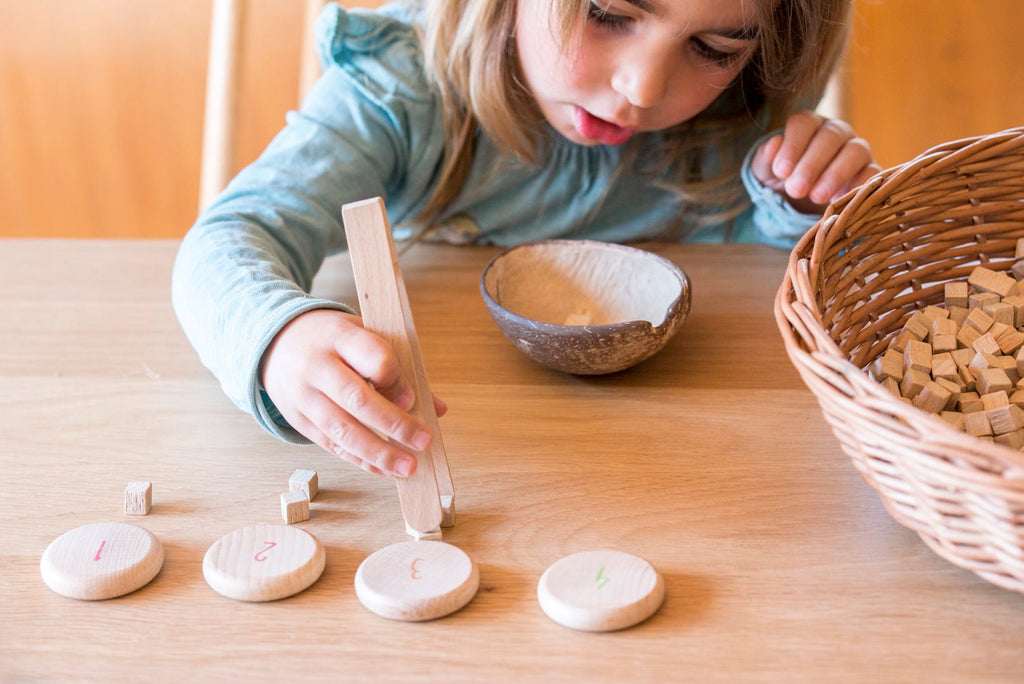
x=593 y=128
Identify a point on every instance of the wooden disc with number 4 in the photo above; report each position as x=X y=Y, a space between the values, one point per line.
x=101 y=561
x=600 y=591
x=417 y=580
x=264 y=562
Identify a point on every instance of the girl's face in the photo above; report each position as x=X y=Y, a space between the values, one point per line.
x=637 y=65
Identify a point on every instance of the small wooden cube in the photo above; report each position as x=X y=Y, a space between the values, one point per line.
x=979 y=300
x=138 y=498
x=1007 y=337
x=918 y=356
x=969 y=402
x=305 y=481
x=956 y=294
x=976 y=424
x=918 y=325
x=943 y=366
x=979 y=320
x=986 y=344
x=1017 y=302
x=294 y=506
x=954 y=418
x=968 y=334
x=995 y=400
x=1000 y=311
x=1005 y=419
x=958 y=314
x=1014 y=439
x=932 y=398
x=988 y=280
x=993 y=380
x=913 y=382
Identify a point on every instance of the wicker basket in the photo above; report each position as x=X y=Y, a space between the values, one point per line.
x=877 y=255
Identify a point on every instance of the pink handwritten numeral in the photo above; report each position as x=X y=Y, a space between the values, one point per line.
x=415 y=571
x=100 y=550
x=269 y=545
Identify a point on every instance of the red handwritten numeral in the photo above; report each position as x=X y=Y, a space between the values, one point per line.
x=100 y=550
x=269 y=545
x=415 y=571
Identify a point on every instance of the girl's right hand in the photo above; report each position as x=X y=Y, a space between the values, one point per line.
x=337 y=383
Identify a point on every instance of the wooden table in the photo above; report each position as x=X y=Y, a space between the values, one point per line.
x=711 y=460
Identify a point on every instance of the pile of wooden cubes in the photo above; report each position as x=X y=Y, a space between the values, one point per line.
x=964 y=361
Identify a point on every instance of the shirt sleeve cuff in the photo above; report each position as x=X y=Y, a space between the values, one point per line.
x=775 y=219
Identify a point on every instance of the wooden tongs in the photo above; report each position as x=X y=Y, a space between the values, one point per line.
x=427 y=496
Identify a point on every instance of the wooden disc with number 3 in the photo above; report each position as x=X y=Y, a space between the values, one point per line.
x=600 y=591
x=264 y=562
x=417 y=580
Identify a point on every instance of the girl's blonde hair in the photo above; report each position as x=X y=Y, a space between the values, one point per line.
x=471 y=55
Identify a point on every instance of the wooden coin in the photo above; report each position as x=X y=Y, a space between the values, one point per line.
x=417 y=580
x=264 y=562
x=600 y=591
x=101 y=561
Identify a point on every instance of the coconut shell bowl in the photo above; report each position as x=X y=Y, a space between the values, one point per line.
x=585 y=307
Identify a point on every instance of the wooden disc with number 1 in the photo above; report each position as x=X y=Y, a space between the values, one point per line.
x=101 y=561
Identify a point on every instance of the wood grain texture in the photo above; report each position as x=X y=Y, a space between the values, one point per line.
x=101 y=561
x=711 y=460
x=384 y=307
x=415 y=581
x=263 y=562
x=600 y=591
x=138 y=498
x=919 y=73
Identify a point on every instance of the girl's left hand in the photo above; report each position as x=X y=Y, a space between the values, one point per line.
x=815 y=161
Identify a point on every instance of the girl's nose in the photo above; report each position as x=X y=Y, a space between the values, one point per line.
x=641 y=79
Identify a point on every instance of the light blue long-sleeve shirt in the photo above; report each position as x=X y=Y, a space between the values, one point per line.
x=373 y=126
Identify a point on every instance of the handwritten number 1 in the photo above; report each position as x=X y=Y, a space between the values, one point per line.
x=100 y=550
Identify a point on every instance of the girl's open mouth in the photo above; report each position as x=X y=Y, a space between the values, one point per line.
x=593 y=128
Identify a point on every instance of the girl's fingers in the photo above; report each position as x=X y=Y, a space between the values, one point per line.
x=343 y=435
x=846 y=165
x=800 y=129
x=373 y=359
x=820 y=151
x=354 y=398
x=761 y=163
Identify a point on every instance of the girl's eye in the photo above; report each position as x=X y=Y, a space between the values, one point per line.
x=600 y=17
x=713 y=54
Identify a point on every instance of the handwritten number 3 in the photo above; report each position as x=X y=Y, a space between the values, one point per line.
x=415 y=571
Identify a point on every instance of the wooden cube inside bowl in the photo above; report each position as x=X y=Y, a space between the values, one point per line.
x=585 y=307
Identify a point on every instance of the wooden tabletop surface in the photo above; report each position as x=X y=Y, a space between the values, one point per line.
x=711 y=460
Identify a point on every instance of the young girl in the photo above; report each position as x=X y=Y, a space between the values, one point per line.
x=499 y=122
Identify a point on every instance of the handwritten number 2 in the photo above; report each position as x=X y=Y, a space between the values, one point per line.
x=263 y=553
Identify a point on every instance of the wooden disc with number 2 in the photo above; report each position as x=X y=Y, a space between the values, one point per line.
x=264 y=562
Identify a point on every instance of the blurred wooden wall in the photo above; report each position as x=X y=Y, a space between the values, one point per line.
x=101 y=100
x=922 y=72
